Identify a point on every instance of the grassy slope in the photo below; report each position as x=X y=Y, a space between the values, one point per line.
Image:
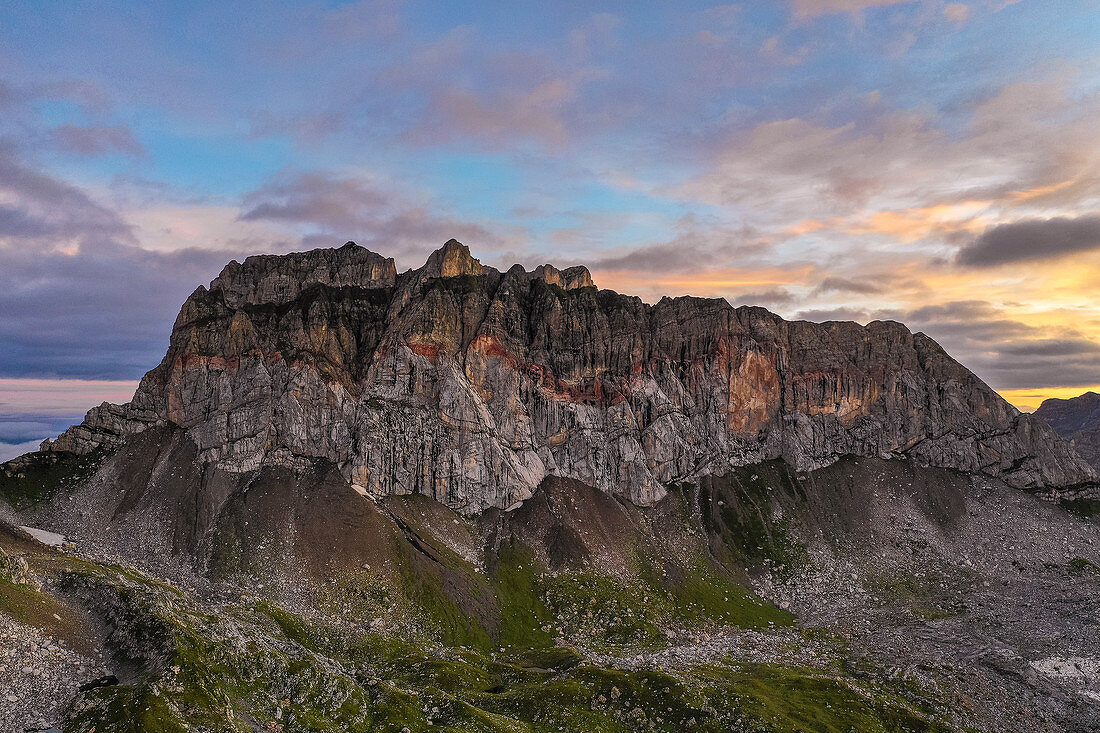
x=393 y=650
x=37 y=477
x=257 y=665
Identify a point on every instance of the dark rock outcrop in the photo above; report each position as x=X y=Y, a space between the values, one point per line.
x=1078 y=421
x=472 y=385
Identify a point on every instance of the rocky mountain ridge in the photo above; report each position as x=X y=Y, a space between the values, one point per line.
x=1077 y=420
x=471 y=385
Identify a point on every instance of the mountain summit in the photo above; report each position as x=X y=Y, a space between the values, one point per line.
x=471 y=385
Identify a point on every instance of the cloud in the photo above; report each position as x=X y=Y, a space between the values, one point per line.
x=833 y=284
x=315 y=198
x=104 y=311
x=41 y=210
x=675 y=256
x=806 y=9
x=311 y=128
x=312 y=30
x=906 y=173
x=9 y=450
x=80 y=297
x=1030 y=240
x=969 y=325
x=772 y=297
x=34 y=409
x=820 y=315
x=87 y=93
x=1007 y=352
x=956 y=13
x=24 y=428
x=494 y=119
x=368 y=211
x=464 y=88
x=1013 y=372
x=40 y=401
x=699 y=245
x=8 y=96
x=363 y=20
x=1053 y=347
x=771 y=50
x=97 y=140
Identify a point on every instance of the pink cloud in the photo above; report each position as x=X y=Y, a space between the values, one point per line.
x=806 y=9
x=60 y=396
x=957 y=12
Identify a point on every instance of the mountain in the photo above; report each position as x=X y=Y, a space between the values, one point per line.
x=471 y=385
x=456 y=498
x=1078 y=421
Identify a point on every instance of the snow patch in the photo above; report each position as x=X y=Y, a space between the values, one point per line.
x=53 y=539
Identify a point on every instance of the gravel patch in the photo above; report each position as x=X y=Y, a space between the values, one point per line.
x=39 y=677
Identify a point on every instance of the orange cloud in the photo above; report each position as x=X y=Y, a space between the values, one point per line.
x=909 y=225
x=1039 y=192
x=804 y=9
x=719 y=282
x=808 y=226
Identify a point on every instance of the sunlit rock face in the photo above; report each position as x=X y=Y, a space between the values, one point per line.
x=471 y=385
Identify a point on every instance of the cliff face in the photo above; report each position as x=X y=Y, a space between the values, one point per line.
x=1078 y=421
x=472 y=385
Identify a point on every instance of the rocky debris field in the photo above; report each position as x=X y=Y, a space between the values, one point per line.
x=871 y=595
x=39 y=677
x=1000 y=613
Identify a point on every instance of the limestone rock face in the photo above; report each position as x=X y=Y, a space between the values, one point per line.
x=569 y=278
x=1078 y=421
x=471 y=385
x=282 y=278
x=453 y=259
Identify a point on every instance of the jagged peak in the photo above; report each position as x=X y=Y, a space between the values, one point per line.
x=568 y=279
x=278 y=278
x=581 y=351
x=1088 y=397
x=451 y=260
x=348 y=252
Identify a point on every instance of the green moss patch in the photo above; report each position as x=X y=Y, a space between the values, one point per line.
x=1081 y=566
x=775 y=698
x=26 y=604
x=1086 y=508
x=741 y=511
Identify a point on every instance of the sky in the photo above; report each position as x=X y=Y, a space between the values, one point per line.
x=936 y=163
